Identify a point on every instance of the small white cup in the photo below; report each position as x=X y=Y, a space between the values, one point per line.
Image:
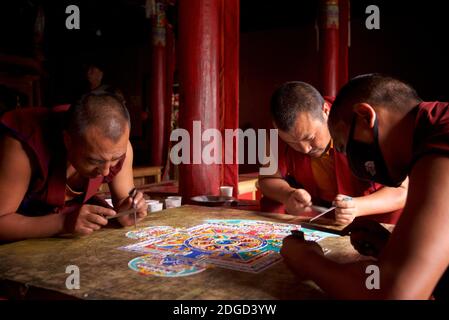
x=226 y=191
x=154 y=206
x=173 y=202
x=175 y=198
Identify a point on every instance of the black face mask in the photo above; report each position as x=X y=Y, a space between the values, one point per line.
x=366 y=161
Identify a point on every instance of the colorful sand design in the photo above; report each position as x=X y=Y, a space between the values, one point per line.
x=244 y=245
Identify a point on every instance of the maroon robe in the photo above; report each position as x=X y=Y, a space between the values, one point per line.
x=431 y=134
x=40 y=132
x=298 y=166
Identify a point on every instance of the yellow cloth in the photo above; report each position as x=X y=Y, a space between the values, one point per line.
x=323 y=170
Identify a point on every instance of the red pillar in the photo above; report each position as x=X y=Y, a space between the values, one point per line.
x=158 y=84
x=329 y=46
x=170 y=65
x=199 y=49
x=229 y=83
x=345 y=29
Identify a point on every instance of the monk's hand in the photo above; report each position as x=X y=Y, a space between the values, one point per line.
x=298 y=201
x=368 y=237
x=90 y=218
x=346 y=210
x=139 y=204
x=295 y=251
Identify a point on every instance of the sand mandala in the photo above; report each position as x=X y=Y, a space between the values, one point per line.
x=151 y=232
x=165 y=266
x=243 y=245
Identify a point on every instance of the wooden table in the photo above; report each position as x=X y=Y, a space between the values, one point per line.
x=40 y=264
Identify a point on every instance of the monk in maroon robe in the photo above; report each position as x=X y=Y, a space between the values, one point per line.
x=389 y=133
x=52 y=163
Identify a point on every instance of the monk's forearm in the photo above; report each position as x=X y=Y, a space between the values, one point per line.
x=14 y=227
x=383 y=201
x=275 y=188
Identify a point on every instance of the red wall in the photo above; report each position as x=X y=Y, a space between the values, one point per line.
x=267 y=59
x=411 y=45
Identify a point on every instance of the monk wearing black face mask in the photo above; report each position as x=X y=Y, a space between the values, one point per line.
x=387 y=133
x=366 y=160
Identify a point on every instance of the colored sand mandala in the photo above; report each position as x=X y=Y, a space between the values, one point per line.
x=243 y=245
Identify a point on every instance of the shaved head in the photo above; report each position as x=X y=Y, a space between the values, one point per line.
x=104 y=111
x=293 y=98
x=377 y=90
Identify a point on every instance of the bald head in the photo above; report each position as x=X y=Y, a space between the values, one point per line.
x=377 y=90
x=103 y=111
x=293 y=98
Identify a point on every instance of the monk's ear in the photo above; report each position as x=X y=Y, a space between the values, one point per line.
x=326 y=108
x=366 y=112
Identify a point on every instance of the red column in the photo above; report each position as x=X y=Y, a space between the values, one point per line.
x=229 y=83
x=171 y=65
x=158 y=85
x=199 y=49
x=344 y=28
x=329 y=46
